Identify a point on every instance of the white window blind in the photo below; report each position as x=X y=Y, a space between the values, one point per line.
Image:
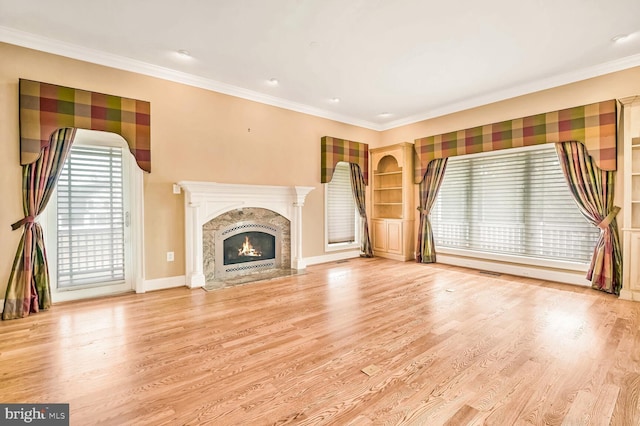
x=340 y=206
x=91 y=217
x=513 y=202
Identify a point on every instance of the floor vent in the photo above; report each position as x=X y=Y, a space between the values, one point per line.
x=493 y=274
x=342 y=261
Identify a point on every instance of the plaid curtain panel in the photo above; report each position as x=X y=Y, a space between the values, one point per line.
x=592 y=189
x=594 y=125
x=334 y=150
x=358 y=188
x=45 y=108
x=429 y=187
x=28 y=288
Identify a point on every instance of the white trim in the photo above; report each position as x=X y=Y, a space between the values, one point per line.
x=325 y=258
x=341 y=246
x=516 y=260
x=164 y=283
x=522 y=89
x=87 y=293
x=45 y=44
x=1 y=306
x=567 y=277
x=136 y=209
x=629 y=295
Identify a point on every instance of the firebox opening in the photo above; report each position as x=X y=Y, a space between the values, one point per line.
x=249 y=247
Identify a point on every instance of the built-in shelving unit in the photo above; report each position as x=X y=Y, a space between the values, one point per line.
x=392 y=195
x=387 y=189
x=635 y=183
x=630 y=137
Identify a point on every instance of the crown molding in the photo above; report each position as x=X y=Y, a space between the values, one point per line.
x=73 y=51
x=44 y=44
x=523 y=89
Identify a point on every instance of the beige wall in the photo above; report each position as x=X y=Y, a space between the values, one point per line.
x=202 y=135
x=195 y=135
x=610 y=86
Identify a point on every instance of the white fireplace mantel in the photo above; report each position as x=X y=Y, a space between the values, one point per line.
x=205 y=200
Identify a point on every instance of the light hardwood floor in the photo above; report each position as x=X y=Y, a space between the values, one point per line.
x=451 y=346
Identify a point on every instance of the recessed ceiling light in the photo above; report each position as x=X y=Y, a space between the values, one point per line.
x=273 y=81
x=384 y=114
x=183 y=53
x=335 y=100
x=621 y=38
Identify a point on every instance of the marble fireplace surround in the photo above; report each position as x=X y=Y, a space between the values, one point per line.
x=204 y=201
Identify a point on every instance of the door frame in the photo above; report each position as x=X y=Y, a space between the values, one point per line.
x=133 y=190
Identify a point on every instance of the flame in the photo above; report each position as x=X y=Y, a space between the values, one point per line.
x=248 y=250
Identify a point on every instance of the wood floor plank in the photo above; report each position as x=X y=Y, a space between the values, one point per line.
x=451 y=346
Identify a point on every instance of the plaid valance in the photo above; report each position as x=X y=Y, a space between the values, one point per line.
x=44 y=108
x=593 y=125
x=334 y=150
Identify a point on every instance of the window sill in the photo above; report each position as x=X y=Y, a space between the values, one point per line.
x=520 y=260
x=550 y=270
x=341 y=246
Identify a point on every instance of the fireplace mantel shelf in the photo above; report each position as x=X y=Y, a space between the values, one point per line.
x=205 y=200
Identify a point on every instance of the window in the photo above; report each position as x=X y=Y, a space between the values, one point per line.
x=85 y=207
x=341 y=214
x=91 y=217
x=513 y=202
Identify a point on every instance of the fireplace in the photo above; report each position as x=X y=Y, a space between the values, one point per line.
x=269 y=216
x=255 y=247
x=246 y=247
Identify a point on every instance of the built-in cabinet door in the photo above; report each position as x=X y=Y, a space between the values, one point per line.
x=394 y=237
x=379 y=235
x=634 y=266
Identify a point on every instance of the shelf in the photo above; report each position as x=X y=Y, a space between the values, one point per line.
x=399 y=172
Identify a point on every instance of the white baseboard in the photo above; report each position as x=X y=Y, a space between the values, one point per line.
x=1 y=306
x=567 y=277
x=325 y=258
x=163 y=283
x=629 y=295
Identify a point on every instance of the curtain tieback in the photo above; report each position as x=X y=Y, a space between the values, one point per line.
x=607 y=220
x=22 y=222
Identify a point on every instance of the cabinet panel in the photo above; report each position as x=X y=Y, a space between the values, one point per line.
x=379 y=235
x=634 y=266
x=394 y=237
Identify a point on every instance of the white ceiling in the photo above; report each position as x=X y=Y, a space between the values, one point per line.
x=413 y=59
